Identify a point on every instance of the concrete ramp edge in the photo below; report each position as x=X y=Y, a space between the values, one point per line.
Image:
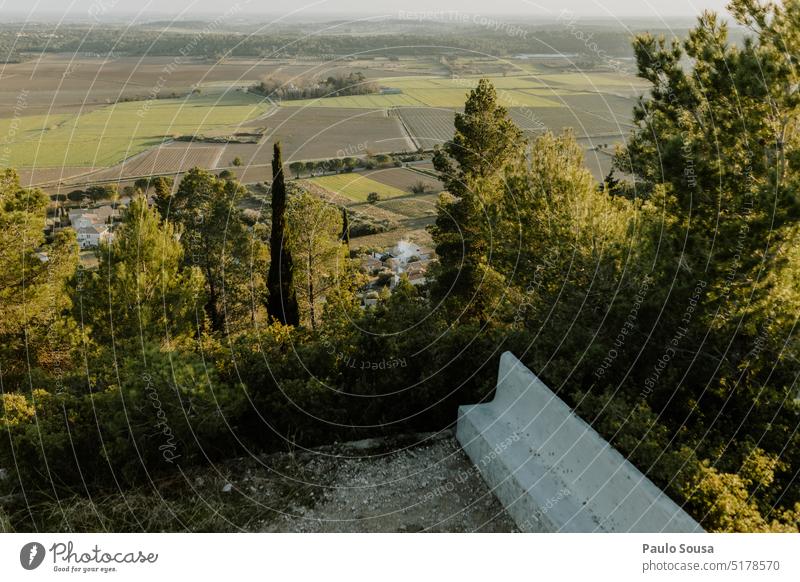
x=551 y=470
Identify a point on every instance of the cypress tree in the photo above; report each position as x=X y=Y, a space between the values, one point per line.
x=345 y=227
x=282 y=300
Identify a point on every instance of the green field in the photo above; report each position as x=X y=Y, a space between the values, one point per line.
x=357 y=187
x=512 y=91
x=422 y=91
x=108 y=135
x=592 y=80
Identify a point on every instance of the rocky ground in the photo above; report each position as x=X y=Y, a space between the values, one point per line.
x=413 y=483
x=424 y=484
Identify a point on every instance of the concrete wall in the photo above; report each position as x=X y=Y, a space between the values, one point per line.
x=552 y=471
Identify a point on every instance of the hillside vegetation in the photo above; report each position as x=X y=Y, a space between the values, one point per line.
x=661 y=304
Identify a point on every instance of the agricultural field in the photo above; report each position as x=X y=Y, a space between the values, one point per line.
x=589 y=115
x=404 y=179
x=406 y=214
x=425 y=91
x=385 y=240
x=427 y=127
x=67 y=131
x=166 y=159
x=312 y=134
x=596 y=119
x=594 y=80
x=108 y=135
x=418 y=211
x=304 y=134
x=526 y=90
x=43 y=176
x=67 y=83
x=357 y=187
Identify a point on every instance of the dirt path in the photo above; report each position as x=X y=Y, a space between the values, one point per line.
x=430 y=486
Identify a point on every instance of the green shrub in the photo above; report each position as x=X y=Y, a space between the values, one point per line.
x=47 y=442
x=167 y=413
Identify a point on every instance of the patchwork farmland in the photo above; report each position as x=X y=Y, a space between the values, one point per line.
x=114 y=133
x=401 y=212
x=423 y=91
x=311 y=134
x=428 y=127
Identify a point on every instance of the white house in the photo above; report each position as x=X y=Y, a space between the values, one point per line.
x=92 y=226
x=79 y=217
x=92 y=235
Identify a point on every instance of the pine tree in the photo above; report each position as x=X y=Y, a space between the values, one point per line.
x=163 y=196
x=33 y=329
x=218 y=242
x=282 y=300
x=472 y=167
x=316 y=248
x=141 y=289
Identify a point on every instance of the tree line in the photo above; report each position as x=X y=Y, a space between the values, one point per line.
x=80 y=39
x=334 y=86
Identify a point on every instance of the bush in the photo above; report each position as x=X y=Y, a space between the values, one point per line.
x=173 y=407
x=46 y=441
x=373 y=197
x=98 y=193
x=250 y=216
x=170 y=412
x=419 y=187
x=363 y=225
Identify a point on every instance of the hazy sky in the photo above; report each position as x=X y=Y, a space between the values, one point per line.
x=609 y=8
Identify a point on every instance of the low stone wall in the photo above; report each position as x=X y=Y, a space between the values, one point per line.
x=552 y=471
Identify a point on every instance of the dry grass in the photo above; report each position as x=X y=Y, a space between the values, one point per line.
x=193 y=502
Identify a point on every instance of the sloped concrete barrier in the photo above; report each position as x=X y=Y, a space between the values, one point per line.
x=552 y=471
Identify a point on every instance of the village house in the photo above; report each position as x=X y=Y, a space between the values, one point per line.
x=92 y=235
x=387 y=268
x=93 y=225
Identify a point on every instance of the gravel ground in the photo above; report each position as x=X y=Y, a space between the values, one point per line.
x=422 y=483
x=410 y=483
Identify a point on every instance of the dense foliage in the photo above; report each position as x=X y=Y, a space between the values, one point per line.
x=663 y=308
x=333 y=86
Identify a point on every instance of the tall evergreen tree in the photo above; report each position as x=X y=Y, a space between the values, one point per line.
x=282 y=300
x=345 y=228
x=472 y=167
x=163 y=195
x=717 y=147
x=33 y=329
x=141 y=291
x=315 y=245
x=218 y=242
